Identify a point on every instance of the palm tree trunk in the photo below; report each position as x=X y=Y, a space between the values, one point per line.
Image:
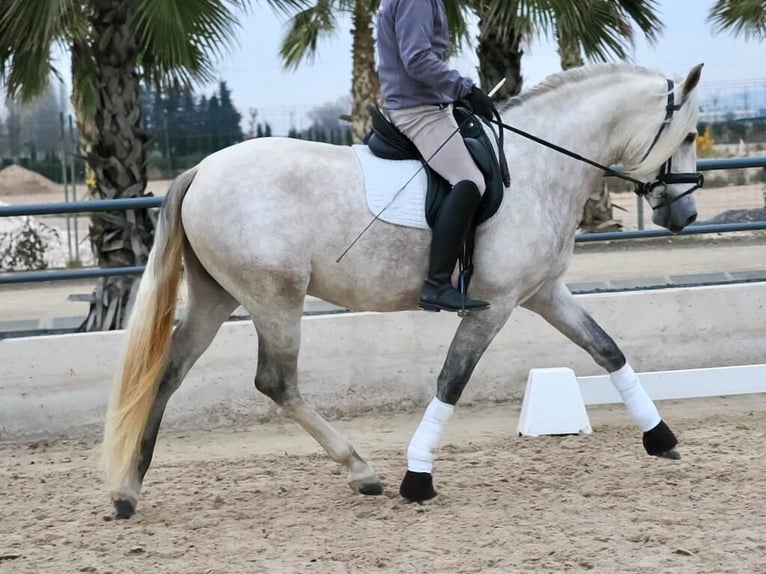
x=499 y=56
x=118 y=159
x=597 y=214
x=569 y=53
x=364 y=80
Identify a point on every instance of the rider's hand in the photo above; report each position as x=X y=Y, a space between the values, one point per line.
x=480 y=103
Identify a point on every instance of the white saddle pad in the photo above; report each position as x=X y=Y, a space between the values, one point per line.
x=383 y=178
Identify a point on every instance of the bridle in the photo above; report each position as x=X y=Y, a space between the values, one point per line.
x=654 y=191
x=666 y=176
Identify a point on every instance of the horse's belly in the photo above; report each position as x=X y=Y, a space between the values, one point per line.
x=383 y=271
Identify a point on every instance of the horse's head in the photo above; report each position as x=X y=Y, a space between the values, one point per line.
x=669 y=164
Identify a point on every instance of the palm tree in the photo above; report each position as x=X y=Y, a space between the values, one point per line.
x=746 y=17
x=599 y=29
x=320 y=19
x=114 y=45
x=619 y=16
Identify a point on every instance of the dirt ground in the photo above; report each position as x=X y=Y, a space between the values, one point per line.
x=265 y=499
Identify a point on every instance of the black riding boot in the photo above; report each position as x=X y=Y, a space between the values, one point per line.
x=449 y=232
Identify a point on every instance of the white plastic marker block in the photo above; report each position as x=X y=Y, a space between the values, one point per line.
x=553 y=404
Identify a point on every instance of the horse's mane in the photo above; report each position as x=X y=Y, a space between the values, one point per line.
x=572 y=76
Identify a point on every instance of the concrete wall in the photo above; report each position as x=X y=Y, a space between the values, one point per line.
x=350 y=363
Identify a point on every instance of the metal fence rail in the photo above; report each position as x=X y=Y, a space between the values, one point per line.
x=153 y=202
x=730 y=163
x=80 y=206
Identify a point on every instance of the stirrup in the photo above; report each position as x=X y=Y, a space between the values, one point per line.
x=461 y=281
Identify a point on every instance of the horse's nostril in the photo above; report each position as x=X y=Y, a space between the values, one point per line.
x=691 y=219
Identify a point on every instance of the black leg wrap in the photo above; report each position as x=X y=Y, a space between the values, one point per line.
x=124 y=508
x=417 y=486
x=660 y=441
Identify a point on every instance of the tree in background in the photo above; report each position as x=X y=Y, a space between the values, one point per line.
x=229 y=118
x=13 y=126
x=326 y=125
x=186 y=127
x=3 y=142
x=255 y=128
x=40 y=124
x=114 y=45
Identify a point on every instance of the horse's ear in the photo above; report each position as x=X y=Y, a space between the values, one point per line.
x=691 y=81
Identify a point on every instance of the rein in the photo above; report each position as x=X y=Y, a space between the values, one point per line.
x=641 y=188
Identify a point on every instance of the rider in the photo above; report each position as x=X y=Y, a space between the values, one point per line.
x=418 y=89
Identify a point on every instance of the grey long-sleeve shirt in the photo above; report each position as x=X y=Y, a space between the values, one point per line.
x=412 y=38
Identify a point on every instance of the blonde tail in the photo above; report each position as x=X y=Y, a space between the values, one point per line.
x=147 y=347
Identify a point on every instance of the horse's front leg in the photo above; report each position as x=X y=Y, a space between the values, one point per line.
x=472 y=338
x=558 y=306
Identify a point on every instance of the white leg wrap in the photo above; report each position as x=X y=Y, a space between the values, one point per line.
x=420 y=454
x=638 y=403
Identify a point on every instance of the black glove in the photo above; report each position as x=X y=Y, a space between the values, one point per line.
x=480 y=103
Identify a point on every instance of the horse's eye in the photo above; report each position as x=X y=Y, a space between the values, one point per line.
x=691 y=138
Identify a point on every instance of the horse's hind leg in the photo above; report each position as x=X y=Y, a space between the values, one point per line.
x=207 y=308
x=558 y=306
x=278 y=324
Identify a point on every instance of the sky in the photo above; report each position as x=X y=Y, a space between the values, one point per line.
x=253 y=71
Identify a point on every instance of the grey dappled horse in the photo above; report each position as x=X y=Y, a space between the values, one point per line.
x=262 y=223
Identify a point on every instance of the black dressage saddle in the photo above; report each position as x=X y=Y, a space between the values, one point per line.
x=387 y=142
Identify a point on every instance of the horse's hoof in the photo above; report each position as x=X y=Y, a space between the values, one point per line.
x=417 y=486
x=366 y=482
x=671 y=454
x=659 y=440
x=371 y=489
x=124 y=508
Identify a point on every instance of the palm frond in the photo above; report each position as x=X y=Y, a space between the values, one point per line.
x=604 y=28
x=745 y=17
x=512 y=18
x=596 y=26
x=457 y=12
x=305 y=29
x=286 y=7
x=644 y=14
x=180 y=39
x=28 y=30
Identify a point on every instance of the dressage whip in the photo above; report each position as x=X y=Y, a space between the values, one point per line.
x=422 y=166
